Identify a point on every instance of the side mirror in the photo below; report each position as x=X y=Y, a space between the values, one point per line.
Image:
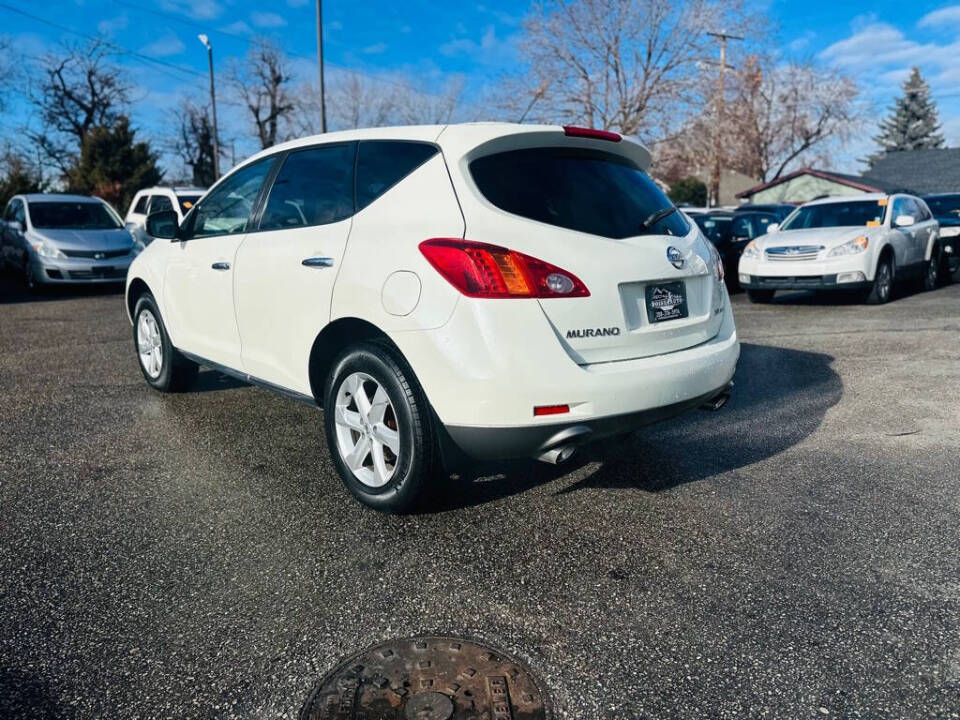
x=164 y=224
x=773 y=227
x=16 y=225
x=904 y=220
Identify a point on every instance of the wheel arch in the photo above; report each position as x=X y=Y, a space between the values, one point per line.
x=336 y=336
x=886 y=251
x=135 y=290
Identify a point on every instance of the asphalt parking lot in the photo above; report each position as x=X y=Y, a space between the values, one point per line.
x=794 y=555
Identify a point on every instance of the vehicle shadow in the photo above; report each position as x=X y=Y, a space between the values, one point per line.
x=212 y=381
x=25 y=695
x=13 y=289
x=780 y=398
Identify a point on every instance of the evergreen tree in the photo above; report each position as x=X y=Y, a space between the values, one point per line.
x=913 y=123
x=113 y=166
x=689 y=191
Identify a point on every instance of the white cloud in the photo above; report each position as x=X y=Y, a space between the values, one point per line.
x=237 y=27
x=164 y=46
x=875 y=45
x=196 y=9
x=937 y=19
x=375 y=49
x=468 y=46
x=335 y=25
x=267 y=19
x=802 y=42
x=111 y=25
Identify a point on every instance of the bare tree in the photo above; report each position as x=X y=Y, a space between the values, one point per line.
x=263 y=83
x=193 y=141
x=78 y=90
x=635 y=66
x=787 y=113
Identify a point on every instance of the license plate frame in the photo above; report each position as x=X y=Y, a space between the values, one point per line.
x=666 y=301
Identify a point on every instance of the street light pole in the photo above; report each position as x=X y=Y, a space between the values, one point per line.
x=323 y=103
x=213 y=108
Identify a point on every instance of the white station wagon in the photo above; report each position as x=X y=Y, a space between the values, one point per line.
x=444 y=293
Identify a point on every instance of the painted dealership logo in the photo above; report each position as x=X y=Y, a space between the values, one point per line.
x=675 y=257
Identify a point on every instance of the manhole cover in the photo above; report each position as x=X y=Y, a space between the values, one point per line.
x=433 y=678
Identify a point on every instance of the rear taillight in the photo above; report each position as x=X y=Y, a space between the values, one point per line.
x=489 y=271
x=574 y=131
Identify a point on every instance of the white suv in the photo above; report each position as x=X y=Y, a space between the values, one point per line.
x=480 y=290
x=861 y=243
x=154 y=200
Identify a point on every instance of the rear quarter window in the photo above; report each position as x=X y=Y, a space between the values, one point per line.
x=381 y=164
x=577 y=189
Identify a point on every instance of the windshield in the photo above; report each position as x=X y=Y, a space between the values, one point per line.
x=584 y=190
x=839 y=214
x=187 y=202
x=944 y=205
x=72 y=216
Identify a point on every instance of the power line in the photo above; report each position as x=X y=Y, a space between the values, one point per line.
x=120 y=49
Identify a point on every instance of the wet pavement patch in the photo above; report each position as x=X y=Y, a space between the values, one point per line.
x=428 y=678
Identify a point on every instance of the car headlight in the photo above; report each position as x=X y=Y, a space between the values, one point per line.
x=751 y=251
x=854 y=247
x=950 y=231
x=45 y=249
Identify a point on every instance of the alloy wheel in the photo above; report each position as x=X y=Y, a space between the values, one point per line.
x=149 y=344
x=883 y=282
x=368 y=437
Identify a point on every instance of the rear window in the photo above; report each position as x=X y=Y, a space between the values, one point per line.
x=72 y=216
x=837 y=214
x=584 y=190
x=944 y=205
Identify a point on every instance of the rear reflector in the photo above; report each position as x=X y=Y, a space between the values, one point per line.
x=489 y=271
x=574 y=131
x=550 y=409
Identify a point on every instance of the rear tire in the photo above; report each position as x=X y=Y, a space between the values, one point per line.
x=761 y=297
x=163 y=367
x=882 y=289
x=378 y=428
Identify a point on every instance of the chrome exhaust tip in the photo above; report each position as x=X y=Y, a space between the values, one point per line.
x=717 y=402
x=557 y=455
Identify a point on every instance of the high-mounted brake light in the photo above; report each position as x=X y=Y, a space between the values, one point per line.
x=574 y=131
x=489 y=271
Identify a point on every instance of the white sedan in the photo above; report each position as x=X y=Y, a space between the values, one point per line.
x=481 y=290
x=863 y=243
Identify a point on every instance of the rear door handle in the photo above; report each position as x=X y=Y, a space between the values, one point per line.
x=221 y=266
x=318 y=262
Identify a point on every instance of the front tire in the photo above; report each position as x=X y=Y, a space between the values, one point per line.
x=378 y=428
x=882 y=288
x=761 y=296
x=932 y=272
x=163 y=367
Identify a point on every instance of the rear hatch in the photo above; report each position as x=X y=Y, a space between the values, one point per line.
x=588 y=206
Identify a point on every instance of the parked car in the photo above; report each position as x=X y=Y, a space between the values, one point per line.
x=864 y=243
x=158 y=199
x=780 y=210
x=438 y=298
x=946 y=208
x=716 y=227
x=52 y=238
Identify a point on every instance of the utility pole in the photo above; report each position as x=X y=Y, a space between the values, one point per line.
x=723 y=36
x=213 y=108
x=323 y=102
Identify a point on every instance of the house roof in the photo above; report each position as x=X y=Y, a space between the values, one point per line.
x=919 y=171
x=854 y=181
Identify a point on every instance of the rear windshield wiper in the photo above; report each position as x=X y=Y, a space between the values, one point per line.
x=657 y=217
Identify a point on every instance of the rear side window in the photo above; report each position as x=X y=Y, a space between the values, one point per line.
x=314 y=187
x=381 y=164
x=160 y=203
x=141 y=206
x=585 y=190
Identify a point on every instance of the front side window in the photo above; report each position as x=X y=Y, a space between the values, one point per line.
x=63 y=215
x=856 y=213
x=314 y=187
x=381 y=164
x=577 y=189
x=187 y=202
x=226 y=210
x=751 y=225
x=160 y=203
x=141 y=206
x=901 y=206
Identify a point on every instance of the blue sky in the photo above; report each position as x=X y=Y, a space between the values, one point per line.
x=877 y=42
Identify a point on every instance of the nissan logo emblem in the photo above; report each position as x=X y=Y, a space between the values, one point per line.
x=675 y=257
